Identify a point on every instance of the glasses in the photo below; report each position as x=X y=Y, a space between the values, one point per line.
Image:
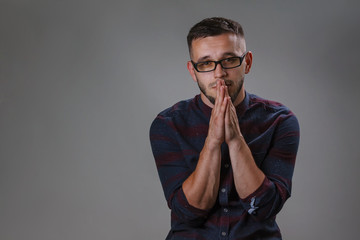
x=227 y=63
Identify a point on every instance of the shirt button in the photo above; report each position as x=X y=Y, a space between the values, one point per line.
x=226 y=210
x=226 y=165
x=223 y=190
x=223 y=233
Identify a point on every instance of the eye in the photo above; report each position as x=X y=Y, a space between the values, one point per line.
x=204 y=64
x=230 y=60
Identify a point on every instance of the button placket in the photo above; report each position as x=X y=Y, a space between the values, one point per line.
x=224 y=189
x=223 y=197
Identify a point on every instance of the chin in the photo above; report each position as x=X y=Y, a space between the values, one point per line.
x=211 y=99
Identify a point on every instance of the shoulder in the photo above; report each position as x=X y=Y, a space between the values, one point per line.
x=266 y=105
x=173 y=115
x=272 y=112
x=178 y=109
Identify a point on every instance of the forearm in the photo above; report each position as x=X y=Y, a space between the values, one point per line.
x=201 y=187
x=247 y=176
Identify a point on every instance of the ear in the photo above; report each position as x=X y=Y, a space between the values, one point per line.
x=191 y=70
x=248 y=60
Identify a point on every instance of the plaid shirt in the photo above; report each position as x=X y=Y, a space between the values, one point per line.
x=177 y=137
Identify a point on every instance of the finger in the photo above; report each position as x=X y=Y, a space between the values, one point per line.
x=227 y=91
x=220 y=97
x=233 y=110
x=227 y=112
x=224 y=106
x=234 y=118
x=217 y=93
x=227 y=94
x=223 y=100
x=222 y=92
x=218 y=90
x=232 y=113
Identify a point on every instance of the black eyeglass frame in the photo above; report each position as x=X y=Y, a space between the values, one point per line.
x=219 y=62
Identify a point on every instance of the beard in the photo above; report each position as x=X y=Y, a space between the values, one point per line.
x=233 y=94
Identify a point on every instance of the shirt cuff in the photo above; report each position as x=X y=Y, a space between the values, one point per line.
x=252 y=202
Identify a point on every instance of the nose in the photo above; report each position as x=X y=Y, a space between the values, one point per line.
x=219 y=71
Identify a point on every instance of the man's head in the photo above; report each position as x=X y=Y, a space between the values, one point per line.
x=215 y=26
x=218 y=39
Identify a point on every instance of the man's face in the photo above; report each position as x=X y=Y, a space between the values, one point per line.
x=216 y=48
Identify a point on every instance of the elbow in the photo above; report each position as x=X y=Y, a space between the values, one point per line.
x=183 y=212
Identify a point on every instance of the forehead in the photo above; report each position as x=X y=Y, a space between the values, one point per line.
x=215 y=47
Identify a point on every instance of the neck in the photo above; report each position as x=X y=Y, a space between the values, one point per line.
x=240 y=97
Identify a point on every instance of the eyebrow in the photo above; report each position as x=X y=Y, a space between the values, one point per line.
x=208 y=58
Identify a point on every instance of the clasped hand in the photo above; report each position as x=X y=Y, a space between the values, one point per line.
x=224 y=125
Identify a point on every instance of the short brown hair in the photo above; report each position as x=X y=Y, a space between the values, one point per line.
x=213 y=27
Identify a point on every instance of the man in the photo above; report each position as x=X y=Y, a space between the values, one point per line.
x=226 y=157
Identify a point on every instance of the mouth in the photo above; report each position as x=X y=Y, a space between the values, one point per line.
x=213 y=85
x=228 y=83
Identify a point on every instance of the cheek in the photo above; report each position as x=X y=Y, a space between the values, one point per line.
x=238 y=74
x=204 y=78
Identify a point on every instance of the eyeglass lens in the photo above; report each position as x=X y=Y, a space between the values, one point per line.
x=225 y=63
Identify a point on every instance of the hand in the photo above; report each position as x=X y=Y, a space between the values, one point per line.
x=216 y=134
x=232 y=128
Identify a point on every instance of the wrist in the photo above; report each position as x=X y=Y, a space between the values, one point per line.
x=212 y=144
x=236 y=143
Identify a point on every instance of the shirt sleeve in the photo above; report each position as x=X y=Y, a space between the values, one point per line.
x=278 y=167
x=173 y=171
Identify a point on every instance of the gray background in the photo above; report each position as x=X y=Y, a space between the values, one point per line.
x=81 y=81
